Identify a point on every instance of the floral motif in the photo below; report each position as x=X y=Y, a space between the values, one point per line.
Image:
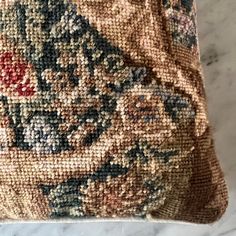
x=42 y=136
x=13 y=75
x=68 y=92
x=181 y=16
x=115 y=190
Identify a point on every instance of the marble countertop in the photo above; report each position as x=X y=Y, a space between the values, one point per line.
x=216 y=27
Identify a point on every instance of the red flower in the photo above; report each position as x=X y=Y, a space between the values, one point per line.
x=12 y=75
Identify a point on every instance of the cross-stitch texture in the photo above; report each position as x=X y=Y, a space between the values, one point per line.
x=103 y=112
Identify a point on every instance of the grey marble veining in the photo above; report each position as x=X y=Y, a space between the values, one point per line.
x=217 y=34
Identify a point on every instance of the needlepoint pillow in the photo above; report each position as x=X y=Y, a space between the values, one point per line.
x=103 y=113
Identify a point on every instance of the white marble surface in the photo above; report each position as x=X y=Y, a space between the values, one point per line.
x=217 y=31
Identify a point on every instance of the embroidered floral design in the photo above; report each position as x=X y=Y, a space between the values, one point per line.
x=181 y=17
x=66 y=90
x=41 y=134
x=13 y=75
x=114 y=190
x=86 y=78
